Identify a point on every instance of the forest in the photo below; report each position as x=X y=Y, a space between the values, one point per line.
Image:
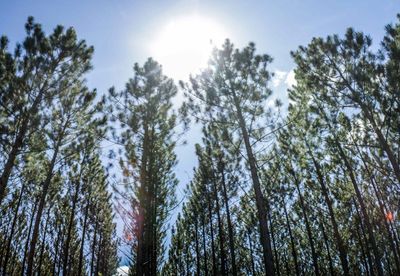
x=307 y=188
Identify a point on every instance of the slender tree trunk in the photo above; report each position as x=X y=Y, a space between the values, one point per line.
x=377 y=255
x=43 y=243
x=392 y=239
x=364 y=238
x=381 y=138
x=28 y=237
x=366 y=259
x=214 y=262
x=220 y=228
x=338 y=238
x=80 y=265
x=17 y=145
x=14 y=223
x=70 y=226
x=228 y=218
x=307 y=223
x=142 y=246
x=260 y=203
x=153 y=211
x=42 y=203
x=204 y=247
x=56 y=254
x=253 y=267
x=292 y=242
x=196 y=236
x=93 y=250
x=277 y=263
x=98 y=263
x=328 y=251
x=382 y=141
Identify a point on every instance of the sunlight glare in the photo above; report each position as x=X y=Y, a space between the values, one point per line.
x=183 y=46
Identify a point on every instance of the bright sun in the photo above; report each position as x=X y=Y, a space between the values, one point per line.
x=184 y=45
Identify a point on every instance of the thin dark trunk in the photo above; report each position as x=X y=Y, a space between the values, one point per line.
x=230 y=228
x=277 y=264
x=307 y=223
x=381 y=138
x=214 y=262
x=69 y=230
x=17 y=145
x=260 y=202
x=364 y=238
x=93 y=250
x=377 y=255
x=43 y=243
x=220 y=229
x=196 y=236
x=204 y=247
x=98 y=258
x=385 y=146
x=392 y=238
x=28 y=237
x=153 y=218
x=328 y=251
x=141 y=247
x=56 y=250
x=292 y=243
x=364 y=258
x=339 y=241
x=253 y=267
x=80 y=266
x=14 y=223
x=42 y=203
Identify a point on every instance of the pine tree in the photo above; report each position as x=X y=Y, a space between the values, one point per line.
x=233 y=91
x=143 y=110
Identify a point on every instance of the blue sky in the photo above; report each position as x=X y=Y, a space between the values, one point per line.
x=121 y=32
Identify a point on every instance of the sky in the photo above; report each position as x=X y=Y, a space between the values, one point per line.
x=124 y=32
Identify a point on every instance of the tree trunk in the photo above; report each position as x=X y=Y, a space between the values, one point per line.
x=392 y=239
x=93 y=250
x=196 y=236
x=80 y=266
x=228 y=218
x=306 y=221
x=56 y=254
x=328 y=251
x=339 y=241
x=42 y=203
x=385 y=146
x=18 y=143
x=142 y=246
x=214 y=262
x=377 y=257
x=277 y=264
x=253 y=267
x=366 y=257
x=43 y=243
x=28 y=237
x=14 y=223
x=204 y=247
x=292 y=242
x=70 y=226
x=220 y=228
x=260 y=203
